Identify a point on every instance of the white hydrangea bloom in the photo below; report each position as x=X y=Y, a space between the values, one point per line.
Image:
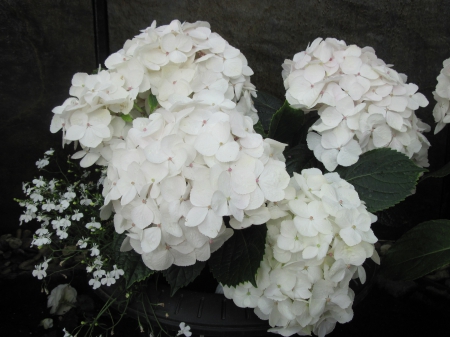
x=177 y=63
x=441 y=110
x=174 y=170
x=363 y=104
x=312 y=252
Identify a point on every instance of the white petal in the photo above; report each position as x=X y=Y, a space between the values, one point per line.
x=75 y=132
x=314 y=73
x=196 y=216
x=228 y=152
x=142 y=216
x=211 y=226
x=173 y=188
x=159 y=259
x=232 y=67
x=151 y=239
x=89 y=159
x=350 y=236
x=243 y=181
x=206 y=144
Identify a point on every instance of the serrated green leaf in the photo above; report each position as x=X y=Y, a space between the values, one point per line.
x=238 y=260
x=152 y=102
x=285 y=125
x=441 y=173
x=259 y=129
x=131 y=262
x=266 y=105
x=382 y=177
x=299 y=158
x=127 y=118
x=420 y=251
x=179 y=277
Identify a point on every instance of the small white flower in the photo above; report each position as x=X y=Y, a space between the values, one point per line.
x=95 y=283
x=39 y=182
x=108 y=279
x=98 y=263
x=83 y=242
x=77 y=216
x=63 y=205
x=47 y=323
x=116 y=273
x=40 y=270
x=49 y=152
x=48 y=206
x=70 y=195
x=184 y=329
x=41 y=163
x=85 y=202
x=94 y=250
x=36 y=197
x=27 y=216
x=93 y=225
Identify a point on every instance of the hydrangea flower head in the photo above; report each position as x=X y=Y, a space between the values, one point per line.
x=312 y=253
x=362 y=102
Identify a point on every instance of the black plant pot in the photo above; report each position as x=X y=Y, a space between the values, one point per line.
x=207 y=313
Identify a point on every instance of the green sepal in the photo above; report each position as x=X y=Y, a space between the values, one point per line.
x=152 y=102
x=138 y=108
x=127 y=118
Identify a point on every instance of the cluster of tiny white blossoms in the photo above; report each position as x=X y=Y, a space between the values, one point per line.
x=363 y=104
x=175 y=172
x=317 y=241
x=441 y=110
x=58 y=206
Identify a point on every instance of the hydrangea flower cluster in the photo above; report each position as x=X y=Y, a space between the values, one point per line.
x=179 y=173
x=441 y=110
x=174 y=172
x=317 y=241
x=177 y=63
x=362 y=102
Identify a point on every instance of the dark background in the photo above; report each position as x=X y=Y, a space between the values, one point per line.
x=43 y=43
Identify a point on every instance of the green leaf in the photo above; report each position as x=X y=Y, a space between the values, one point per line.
x=285 y=124
x=152 y=102
x=179 y=277
x=267 y=105
x=131 y=262
x=127 y=118
x=420 y=251
x=238 y=260
x=382 y=177
x=441 y=173
x=299 y=158
x=259 y=129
